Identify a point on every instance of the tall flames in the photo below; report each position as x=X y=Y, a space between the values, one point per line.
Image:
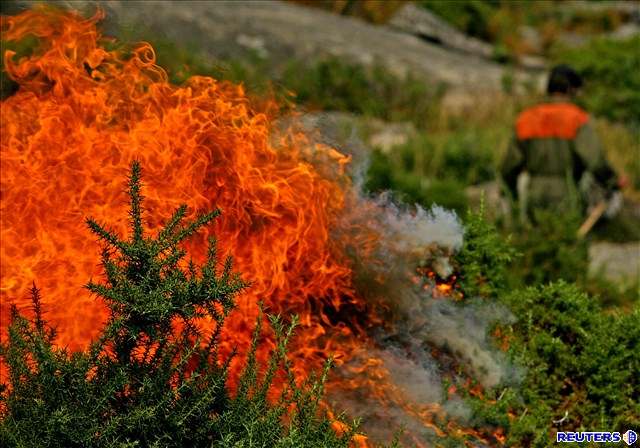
x=83 y=112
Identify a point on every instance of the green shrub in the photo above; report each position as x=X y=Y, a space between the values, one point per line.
x=482 y=263
x=580 y=363
x=410 y=187
x=436 y=167
x=550 y=250
x=613 y=294
x=146 y=381
x=575 y=357
x=333 y=84
x=468 y=155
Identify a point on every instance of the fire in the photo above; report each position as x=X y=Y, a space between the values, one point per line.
x=84 y=112
x=439 y=287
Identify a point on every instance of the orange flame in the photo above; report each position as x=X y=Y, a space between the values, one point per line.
x=84 y=112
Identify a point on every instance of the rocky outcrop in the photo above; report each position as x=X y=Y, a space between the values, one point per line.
x=280 y=31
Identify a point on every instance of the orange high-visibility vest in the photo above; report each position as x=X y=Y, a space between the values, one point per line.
x=551 y=120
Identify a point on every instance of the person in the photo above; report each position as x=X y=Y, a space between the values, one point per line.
x=556 y=154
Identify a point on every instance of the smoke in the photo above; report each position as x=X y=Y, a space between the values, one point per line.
x=386 y=242
x=462 y=331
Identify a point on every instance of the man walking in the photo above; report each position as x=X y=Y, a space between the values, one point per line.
x=556 y=154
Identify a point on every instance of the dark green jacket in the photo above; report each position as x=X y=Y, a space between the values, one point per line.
x=555 y=143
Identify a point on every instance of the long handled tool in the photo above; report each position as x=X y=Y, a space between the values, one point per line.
x=593 y=217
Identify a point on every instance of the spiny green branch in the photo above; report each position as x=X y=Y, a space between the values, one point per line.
x=153 y=377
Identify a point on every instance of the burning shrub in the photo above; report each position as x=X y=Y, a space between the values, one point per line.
x=407 y=341
x=155 y=377
x=297 y=224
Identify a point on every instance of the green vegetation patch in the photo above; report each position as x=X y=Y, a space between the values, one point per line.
x=581 y=371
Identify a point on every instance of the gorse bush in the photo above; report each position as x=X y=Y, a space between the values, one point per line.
x=482 y=263
x=153 y=379
x=580 y=370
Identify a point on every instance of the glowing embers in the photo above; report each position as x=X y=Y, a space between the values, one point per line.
x=430 y=281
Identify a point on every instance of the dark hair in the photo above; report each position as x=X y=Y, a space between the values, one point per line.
x=563 y=79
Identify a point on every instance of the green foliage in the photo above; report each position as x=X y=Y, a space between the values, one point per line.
x=471 y=16
x=621 y=294
x=483 y=260
x=610 y=68
x=550 y=249
x=413 y=188
x=154 y=379
x=468 y=154
x=576 y=358
x=580 y=363
x=619 y=229
x=435 y=167
x=332 y=84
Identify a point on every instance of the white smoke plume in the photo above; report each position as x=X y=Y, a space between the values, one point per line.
x=386 y=242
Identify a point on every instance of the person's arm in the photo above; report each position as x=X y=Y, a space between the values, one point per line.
x=589 y=149
x=512 y=165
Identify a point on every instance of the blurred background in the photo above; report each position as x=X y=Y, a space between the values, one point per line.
x=431 y=89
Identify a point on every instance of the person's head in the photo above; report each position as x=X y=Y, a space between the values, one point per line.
x=563 y=80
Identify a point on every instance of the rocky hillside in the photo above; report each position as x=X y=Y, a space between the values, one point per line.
x=279 y=31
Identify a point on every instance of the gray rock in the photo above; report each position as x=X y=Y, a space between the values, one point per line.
x=282 y=30
x=617 y=262
x=423 y=23
x=431 y=28
x=390 y=136
x=625 y=31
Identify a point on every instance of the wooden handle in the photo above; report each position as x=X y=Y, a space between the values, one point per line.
x=593 y=217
